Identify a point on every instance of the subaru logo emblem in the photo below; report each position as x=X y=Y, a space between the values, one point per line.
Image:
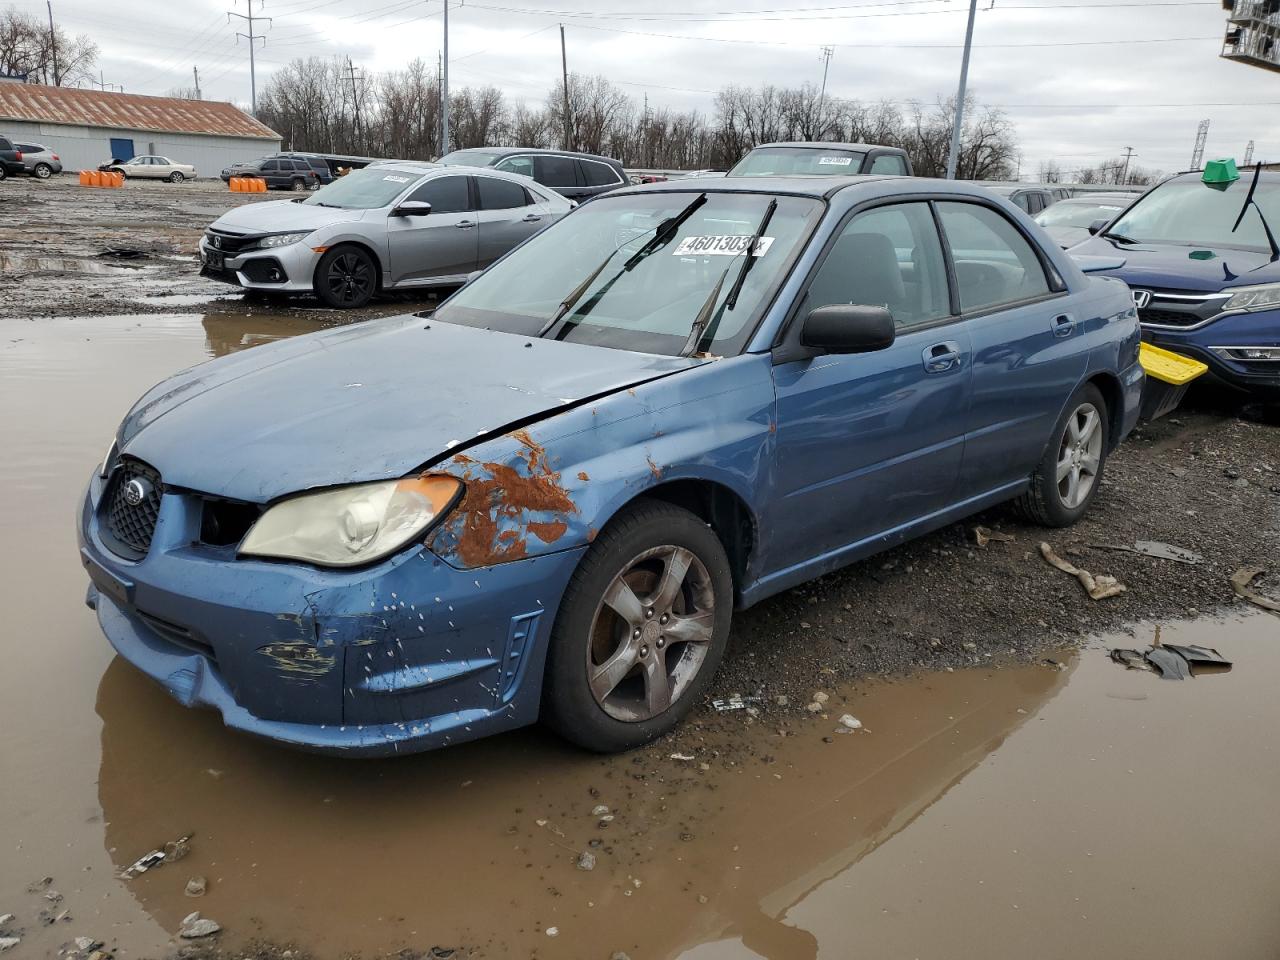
x=135 y=491
x=1141 y=298
x=217 y=242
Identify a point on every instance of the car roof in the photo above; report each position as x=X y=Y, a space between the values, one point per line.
x=819 y=188
x=1100 y=197
x=1007 y=189
x=824 y=145
x=512 y=151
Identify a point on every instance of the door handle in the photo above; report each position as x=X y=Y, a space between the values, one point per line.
x=465 y=225
x=531 y=218
x=1063 y=325
x=941 y=357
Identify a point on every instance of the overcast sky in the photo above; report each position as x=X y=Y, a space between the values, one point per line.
x=1082 y=79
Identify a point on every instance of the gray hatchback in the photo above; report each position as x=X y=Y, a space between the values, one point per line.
x=391 y=226
x=38 y=160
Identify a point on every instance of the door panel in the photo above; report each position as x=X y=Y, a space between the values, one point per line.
x=444 y=243
x=506 y=216
x=1027 y=356
x=869 y=442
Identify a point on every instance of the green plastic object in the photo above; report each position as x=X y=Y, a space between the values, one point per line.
x=1220 y=171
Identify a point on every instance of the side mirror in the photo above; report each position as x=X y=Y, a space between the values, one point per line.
x=412 y=208
x=848 y=328
x=1097 y=226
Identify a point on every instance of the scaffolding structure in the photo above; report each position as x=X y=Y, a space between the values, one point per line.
x=1197 y=153
x=1253 y=33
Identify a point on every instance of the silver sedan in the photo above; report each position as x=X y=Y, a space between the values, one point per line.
x=156 y=168
x=391 y=226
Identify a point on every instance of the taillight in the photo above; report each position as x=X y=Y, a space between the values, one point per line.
x=17 y=154
x=58 y=158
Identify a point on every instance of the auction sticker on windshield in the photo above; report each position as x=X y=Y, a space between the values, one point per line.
x=835 y=161
x=397 y=179
x=723 y=246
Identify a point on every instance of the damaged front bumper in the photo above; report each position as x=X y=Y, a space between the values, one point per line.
x=409 y=654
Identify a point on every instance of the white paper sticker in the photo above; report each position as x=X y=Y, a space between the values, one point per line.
x=834 y=161
x=397 y=179
x=724 y=246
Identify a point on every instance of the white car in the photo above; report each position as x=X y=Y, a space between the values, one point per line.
x=156 y=168
x=394 y=225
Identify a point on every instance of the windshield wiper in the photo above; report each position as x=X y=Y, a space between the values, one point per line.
x=1120 y=237
x=575 y=295
x=1244 y=208
x=666 y=230
x=704 y=328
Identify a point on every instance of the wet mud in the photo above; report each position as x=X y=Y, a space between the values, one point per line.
x=1003 y=794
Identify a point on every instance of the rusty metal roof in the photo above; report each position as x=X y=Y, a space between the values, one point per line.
x=43 y=104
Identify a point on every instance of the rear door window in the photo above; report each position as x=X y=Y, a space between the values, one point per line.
x=28 y=148
x=889 y=163
x=445 y=194
x=599 y=174
x=270 y=166
x=521 y=165
x=498 y=194
x=555 y=171
x=994 y=263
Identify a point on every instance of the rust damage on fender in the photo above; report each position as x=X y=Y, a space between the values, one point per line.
x=505 y=503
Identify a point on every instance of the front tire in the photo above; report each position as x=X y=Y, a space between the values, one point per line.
x=1068 y=477
x=3 y=172
x=42 y=171
x=346 y=278
x=641 y=629
x=176 y=177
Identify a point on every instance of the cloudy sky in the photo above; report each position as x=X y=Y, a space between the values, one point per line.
x=1082 y=79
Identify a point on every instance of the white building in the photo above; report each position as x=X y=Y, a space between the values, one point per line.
x=89 y=127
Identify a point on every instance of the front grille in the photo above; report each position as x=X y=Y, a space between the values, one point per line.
x=228 y=243
x=178 y=635
x=1169 y=318
x=130 y=526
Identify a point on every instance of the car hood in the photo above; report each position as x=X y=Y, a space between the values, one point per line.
x=1067 y=236
x=370 y=401
x=277 y=216
x=1171 y=266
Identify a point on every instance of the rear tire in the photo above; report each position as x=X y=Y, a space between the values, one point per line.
x=346 y=278
x=176 y=177
x=298 y=185
x=640 y=631
x=1070 y=473
x=3 y=172
x=42 y=171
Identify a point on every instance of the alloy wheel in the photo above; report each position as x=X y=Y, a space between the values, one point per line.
x=43 y=171
x=350 y=278
x=651 y=633
x=1079 y=455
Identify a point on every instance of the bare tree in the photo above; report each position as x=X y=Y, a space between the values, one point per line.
x=1050 y=171
x=478 y=116
x=29 y=48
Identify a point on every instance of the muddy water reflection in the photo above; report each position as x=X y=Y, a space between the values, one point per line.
x=997 y=813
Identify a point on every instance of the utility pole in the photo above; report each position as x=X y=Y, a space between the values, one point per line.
x=102 y=85
x=1197 y=152
x=195 y=72
x=250 y=19
x=444 y=87
x=822 y=97
x=564 y=78
x=1128 y=154
x=954 y=156
x=355 y=99
x=53 y=44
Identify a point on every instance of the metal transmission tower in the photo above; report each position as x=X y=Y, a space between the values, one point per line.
x=1248 y=154
x=822 y=97
x=1197 y=154
x=251 y=19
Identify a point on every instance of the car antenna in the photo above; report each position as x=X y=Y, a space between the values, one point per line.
x=1266 y=227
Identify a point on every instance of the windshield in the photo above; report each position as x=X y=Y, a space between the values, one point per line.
x=798 y=162
x=652 y=307
x=1079 y=213
x=366 y=189
x=1195 y=213
x=469 y=158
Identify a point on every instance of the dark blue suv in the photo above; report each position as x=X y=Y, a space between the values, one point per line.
x=1204 y=264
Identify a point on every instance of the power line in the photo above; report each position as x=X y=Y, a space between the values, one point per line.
x=250 y=19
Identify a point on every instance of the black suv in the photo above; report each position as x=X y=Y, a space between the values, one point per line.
x=280 y=173
x=10 y=159
x=578 y=176
x=323 y=172
x=805 y=158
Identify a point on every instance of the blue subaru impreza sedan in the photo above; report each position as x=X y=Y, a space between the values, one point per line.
x=547 y=498
x=1203 y=260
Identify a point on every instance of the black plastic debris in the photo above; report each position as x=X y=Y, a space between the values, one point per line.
x=1173 y=661
x=1199 y=656
x=1168 y=664
x=1133 y=659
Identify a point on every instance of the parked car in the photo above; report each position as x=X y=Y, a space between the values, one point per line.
x=10 y=159
x=385 y=227
x=1204 y=265
x=1029 y=197
x=1068 y=221
x=38 y=160
x=548 y=496
x=280 y=173
x=318 y=164
x=815 y=159
x=578 y=176
x=155 y=168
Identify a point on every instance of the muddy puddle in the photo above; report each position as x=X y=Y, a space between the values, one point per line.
x=1081 y=811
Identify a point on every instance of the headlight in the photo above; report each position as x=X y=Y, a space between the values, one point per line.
x=351 y=525
x=1263 y=297
x=280 y=240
